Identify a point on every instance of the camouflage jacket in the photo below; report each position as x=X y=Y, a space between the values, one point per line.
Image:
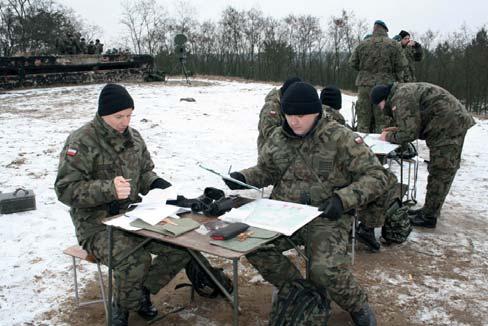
x=270 y=117
x=426 y=111
x=91 y=158
x=378 y=60
x=334 y=114
x=412 y=53
x=330 y=159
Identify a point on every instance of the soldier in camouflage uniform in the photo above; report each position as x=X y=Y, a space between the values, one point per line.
x=312 y=159
x=331 y=99
x=379 y=60
x=428 y=112
x=270 y=116
x=413 y=52
x=103 y=167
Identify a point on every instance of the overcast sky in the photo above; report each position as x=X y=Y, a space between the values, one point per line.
x=412 y=15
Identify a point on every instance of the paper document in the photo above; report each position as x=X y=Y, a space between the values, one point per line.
x=123 y=222
x=377 y=145
x=273 y=215
x=153 y=208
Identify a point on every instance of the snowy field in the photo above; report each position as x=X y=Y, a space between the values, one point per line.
x=218 y=130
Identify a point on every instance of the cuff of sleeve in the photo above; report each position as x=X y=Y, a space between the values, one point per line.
x=348 y=198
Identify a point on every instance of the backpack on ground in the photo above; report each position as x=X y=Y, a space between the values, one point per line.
x=299 y=302
x=202 y=283
x=397 y=226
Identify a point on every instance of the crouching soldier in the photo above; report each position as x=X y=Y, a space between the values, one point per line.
x=312 y=159
x=428 y=112
x=103 y=167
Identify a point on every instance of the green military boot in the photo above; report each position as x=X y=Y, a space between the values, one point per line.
x=420 y=218
x=364 y=316
x=147 y=310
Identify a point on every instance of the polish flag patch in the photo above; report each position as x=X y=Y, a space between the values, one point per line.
x=71 y=152
x=359 y=140
x=272 y=112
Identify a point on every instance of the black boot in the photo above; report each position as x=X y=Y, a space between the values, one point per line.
x=147 y=310
x=419 y=218
x=120 y=316
x=364 y=317
x=366 y=235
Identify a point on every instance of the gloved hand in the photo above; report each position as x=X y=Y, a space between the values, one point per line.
x=232 y=185
x=159 y=183
x=332 y=208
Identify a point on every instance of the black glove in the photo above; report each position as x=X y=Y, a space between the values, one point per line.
x=159 y=183
x=332 y=208
x=232 y=185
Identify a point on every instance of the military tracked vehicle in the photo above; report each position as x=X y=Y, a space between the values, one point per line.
x=42 y=71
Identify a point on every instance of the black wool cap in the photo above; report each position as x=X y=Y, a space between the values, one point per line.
x=380 y=93
x=300 y=99
x=114 y=98
x=331 y=96
x=403 y=33
x=290 y=81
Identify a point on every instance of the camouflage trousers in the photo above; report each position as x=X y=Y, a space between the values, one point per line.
x=138 y=269
x=444 y=163
x=369 y=117
x=374 y=213
x=329 y=264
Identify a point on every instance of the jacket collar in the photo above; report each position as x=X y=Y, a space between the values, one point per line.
x=117 y=140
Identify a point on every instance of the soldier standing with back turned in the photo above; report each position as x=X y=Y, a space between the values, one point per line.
x=378 y=60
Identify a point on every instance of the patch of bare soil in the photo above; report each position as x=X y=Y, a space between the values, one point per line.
x=440 y=273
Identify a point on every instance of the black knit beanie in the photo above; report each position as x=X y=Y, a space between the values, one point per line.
x=331 y=96
x=290 y=81
x=300 y=99
x=380 y=93
x=403 y=34
x=114 y=98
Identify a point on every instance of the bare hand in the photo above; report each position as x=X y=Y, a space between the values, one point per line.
x=384 y=134
x=411 y=43
x=122 y=187
x=390 y=129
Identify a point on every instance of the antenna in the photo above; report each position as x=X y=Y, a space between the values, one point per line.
x=180 y=50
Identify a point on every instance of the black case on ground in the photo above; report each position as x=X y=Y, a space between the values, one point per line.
x=18 y=201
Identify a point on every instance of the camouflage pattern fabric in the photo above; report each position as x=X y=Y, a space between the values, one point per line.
x=85 y=179
x=397 y=226
x=270 y=117
x=91 y=158
x=374 y=213
x=429 y=112
x=412 y=54
x=300 y=302
x=378 y=60
x=329 y=160
x=334 y=114
x=138 y=268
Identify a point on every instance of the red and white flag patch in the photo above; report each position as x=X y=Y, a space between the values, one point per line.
x=272 y=113
x=359 y=140
x=71 y=152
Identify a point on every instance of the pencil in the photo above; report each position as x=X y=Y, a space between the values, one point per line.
x=169 y=222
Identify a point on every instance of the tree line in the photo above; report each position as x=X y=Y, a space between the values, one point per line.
x=249 y=44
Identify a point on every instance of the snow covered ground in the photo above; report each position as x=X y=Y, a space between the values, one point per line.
x=218 y=130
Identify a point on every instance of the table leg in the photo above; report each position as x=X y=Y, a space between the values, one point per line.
x=109 y=295
x=235 y=280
